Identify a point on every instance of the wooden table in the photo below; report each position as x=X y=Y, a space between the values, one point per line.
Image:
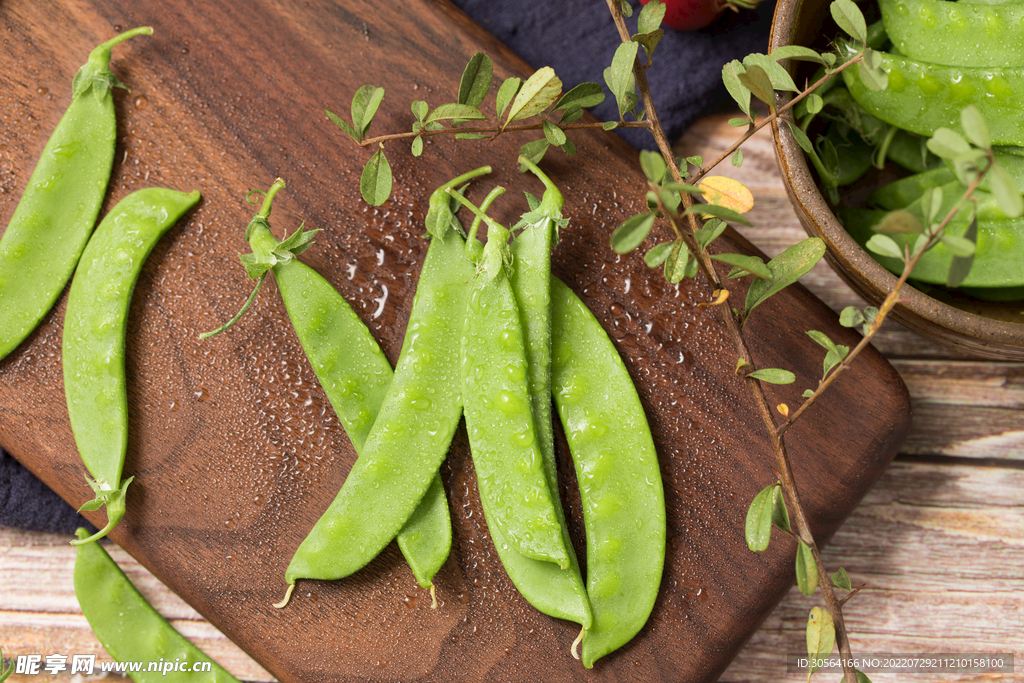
x=939 y=541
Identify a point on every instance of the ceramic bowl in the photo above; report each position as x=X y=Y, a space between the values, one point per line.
x=977 y=328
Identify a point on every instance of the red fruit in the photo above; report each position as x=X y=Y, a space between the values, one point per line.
x=690 y=15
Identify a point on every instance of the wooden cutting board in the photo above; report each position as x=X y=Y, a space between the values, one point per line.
x=236 y=451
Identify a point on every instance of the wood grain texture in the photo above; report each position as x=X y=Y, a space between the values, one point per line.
x=233 y=445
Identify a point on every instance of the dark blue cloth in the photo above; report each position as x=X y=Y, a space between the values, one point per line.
x=575 y=37
x=578 y=39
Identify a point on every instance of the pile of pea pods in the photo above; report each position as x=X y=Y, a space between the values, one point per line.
x=940 y=57
x=492 y=337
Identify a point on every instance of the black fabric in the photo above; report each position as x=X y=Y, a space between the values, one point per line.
x=577 y=39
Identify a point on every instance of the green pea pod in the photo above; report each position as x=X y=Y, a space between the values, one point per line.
x=57 y=212
x=900 y=193
x=971 y=35
x=412 y=433
x=618 y=473
x=997 y=260
x=553 y=591
x=923 y=97
x=94 y=337
x=514 y=489
x=130 y=629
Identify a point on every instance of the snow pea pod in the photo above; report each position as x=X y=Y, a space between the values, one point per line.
x=923 y=97
x=94 y=337
x=514 y=489
x=971 y=35
x=553 y=591
x=417 y=420
x=130 y=629
x=618 y=473
x=997 y=260
x=57 y=212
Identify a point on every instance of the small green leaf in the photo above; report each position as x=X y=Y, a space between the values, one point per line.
x=960 y=267
x=506 y=93
x=759 y=85
x=649 y=41
x=417 y=145
x=738 y=123
x=806 y=571
x=947 y=143
x=343 y=124
x=883 y=245
x=750 y=264
x=787 y=268
x=473 y=136
x=364 y=105
x=476 y=80
x=718 y=212
x=841 y=579
x=454 y=110
x=797 y=52
x=619 y=76
x=534 y=151
x=583 y=96
x=931 y=203
x=801 y=138
x=420 y=109
x=900 y=222
x=739 y=92
x=697 y=161
x=851 y=317
x=610 y=125
x=677 y=263
x=872 y=58
x=539 y=92
x=710 y=232
x=657 y=254
x=375 y=183
x=569 y=147
x=821 y=339
x=758 y=530
x=808 y=393
x=683 y=187
x=975 y=127
x=773 y=376
x=780 y=515
x=1006 y=192
x=777 y=75
x=821 y=635
x=554 y=134
x=849 y=18
x=872 y=78
x=958 y=246
x=653 y=165
x=737 y=158
x=814 y=103
x=632 y=232
x=650 y=17
x=627 y=9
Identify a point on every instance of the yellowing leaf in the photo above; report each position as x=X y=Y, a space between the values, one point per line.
x=539 y=92
x=732 y=194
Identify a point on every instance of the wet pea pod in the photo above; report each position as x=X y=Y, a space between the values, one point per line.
x=953 y=33
x=618 y=473
x=413 y=430
x=58 y=210
x=553 y=591
x=514 y=489
x=900 y=193
x=923 y=97
x=130 y=629
x=997 y=259
x=94 y=337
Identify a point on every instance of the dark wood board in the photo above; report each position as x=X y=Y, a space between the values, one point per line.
x=233 y=445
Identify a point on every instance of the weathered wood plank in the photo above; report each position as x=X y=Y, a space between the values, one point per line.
x=940 y=548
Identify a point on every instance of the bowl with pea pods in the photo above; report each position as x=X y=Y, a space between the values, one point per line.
x=872 y=159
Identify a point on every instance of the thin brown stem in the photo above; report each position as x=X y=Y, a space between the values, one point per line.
x=497 y=130
x=771 y=117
